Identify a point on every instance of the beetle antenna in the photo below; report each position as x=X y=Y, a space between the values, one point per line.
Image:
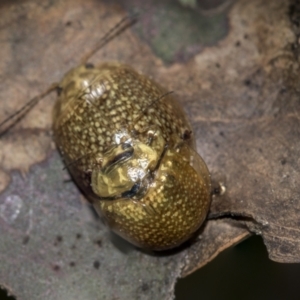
x=149 y=105
x=121 y=26
x=13 y=119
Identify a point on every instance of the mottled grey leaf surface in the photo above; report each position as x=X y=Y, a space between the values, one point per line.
x=241 y=93
x=55 y=248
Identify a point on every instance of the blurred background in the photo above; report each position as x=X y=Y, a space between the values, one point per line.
x=241 y=272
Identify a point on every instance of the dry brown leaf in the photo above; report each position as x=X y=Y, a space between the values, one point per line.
x=242 y=96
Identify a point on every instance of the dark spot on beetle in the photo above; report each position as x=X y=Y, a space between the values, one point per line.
x=283 y=161
x=260 y=150
x=120 y=157
x=246 y=36
x=26 y=240
x=78 y=236
x=218 y=65
x=221 y=133
x=59 y=90
x=72 y=264
x=187 y=135
x=238 y=43
x=247 y=82
x=56 y=268
x=125 y=146
x=96 y=264
x=68 y=23
x=134 y=190
x=98 y=243
x=216 y=145
x=89 y=66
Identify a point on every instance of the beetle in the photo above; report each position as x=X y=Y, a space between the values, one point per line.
x=129 y=147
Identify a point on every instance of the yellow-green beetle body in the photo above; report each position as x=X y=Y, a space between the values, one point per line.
x=128 y=145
